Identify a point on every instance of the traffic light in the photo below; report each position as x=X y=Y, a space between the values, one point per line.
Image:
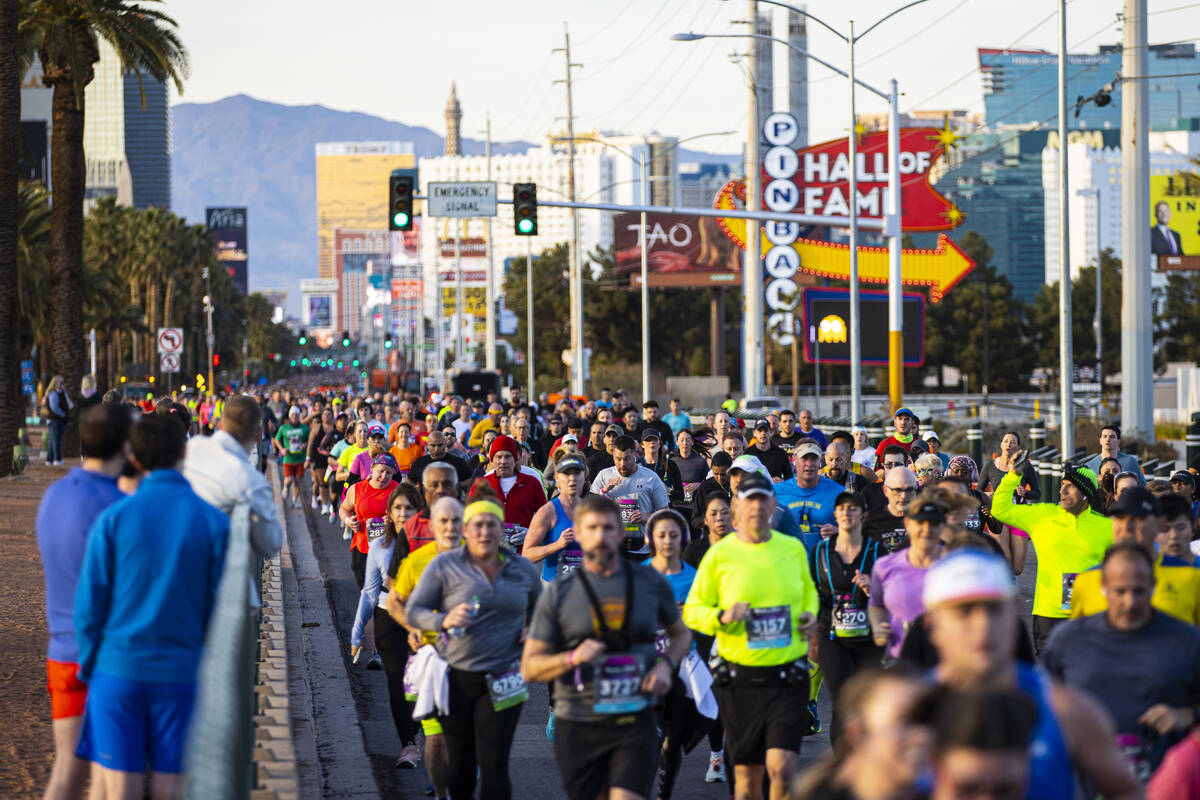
x=356 y=362
x=303 y=337
x=216 y=359
x=387 y=343
x=401 y=187
x=293 y=362
x=525 y=209
x=345 y=338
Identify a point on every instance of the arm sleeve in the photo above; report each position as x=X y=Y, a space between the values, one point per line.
x=1029 y=477
x=676 y=481
x=700 y=612
x=424 y=608
x=476 y=435
x=92 y=597
x=1003 y=509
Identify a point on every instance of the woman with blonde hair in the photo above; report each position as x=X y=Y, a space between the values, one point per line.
x=57 y=406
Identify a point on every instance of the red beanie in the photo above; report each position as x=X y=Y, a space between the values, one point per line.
x=503 y=443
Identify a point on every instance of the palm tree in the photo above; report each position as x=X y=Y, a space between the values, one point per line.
x=65 y=34
x=10 y=151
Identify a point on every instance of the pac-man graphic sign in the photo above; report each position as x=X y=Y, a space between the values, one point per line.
x=827 y=319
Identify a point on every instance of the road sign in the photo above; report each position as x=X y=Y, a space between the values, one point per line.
x=168 y=362
x=27 y=376
x=826 y=311
x=170 y=340
x=461 y=199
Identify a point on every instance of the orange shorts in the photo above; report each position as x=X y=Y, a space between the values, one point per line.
x=67 y=693
x=293 y=471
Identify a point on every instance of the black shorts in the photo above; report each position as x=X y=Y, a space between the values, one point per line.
x=621 y=753
x=758 y=719
x=358 y=565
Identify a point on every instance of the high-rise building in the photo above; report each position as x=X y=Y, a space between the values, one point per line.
x=699 y=181
x=764 y=67
x=36 y=117
x=352 y=189
x=127 y=144
x=1020 y=87
x=797 y=74
x=453 y=124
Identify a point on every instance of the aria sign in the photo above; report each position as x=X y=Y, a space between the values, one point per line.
x=815 y=181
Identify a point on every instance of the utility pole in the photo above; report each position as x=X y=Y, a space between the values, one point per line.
x=1065 y=360
x=529 y=314
x=208 y=310
x=752 y=271
x=459 y=342
x=855 y=322
x=1137 y=353
x=489 y=346
x=575 y=269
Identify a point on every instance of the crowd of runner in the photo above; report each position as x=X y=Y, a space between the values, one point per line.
x=677 y=581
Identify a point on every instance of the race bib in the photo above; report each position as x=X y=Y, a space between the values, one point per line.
x=973 y=522
x=662 y=643
x=895 y=539
x=1136 y=753
x=618 y=685
x=507 y=690
x=375 y=528
x=410 y=682
x=295 y=442
x=569 y=561
x=769 y=628
x=849 y=621
x=1068 y=584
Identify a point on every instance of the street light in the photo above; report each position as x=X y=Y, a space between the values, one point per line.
x=643 y=167
x=892 y=218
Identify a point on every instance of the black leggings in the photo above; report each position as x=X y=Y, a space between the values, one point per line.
x=478 y=736
x=677 y=719
x=839 y=660
x=391 y=640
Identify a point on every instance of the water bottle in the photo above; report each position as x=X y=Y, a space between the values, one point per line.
x=457 y=631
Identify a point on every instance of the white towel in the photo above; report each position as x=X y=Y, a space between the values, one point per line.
x=697 y=682
x=428 y=673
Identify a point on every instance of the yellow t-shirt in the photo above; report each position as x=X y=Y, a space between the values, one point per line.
x=408 y=575
x=1176 y=591
x=348 y=455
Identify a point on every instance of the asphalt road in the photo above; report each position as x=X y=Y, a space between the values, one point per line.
x=532 y=767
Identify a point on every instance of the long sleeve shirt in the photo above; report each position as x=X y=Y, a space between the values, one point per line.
x=149 y=583
x=221 y=474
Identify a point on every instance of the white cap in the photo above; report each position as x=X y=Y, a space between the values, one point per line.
x=570 y=437
x=968 y=576
x=748 y=463
x=930 y=434
x=857 y=429
x=294 y=410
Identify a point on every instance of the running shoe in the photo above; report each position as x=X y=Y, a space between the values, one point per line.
x=314 y=503
x=375 y=662
x=409 y=757
x=346 y=534
x=550 y=727
x=716 y=768
x=814 y=719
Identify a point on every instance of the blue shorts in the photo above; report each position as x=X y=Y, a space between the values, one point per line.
x=127 y=724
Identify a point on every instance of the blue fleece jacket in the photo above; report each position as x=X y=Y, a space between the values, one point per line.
x=68 y=509
x=149 y=582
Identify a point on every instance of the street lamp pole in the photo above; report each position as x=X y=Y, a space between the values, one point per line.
x=895 y=285
x=752 y=269
x=1066 y=393
x=855 y=323
x=645 y=171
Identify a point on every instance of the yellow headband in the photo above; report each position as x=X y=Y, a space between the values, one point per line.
x=483 y=507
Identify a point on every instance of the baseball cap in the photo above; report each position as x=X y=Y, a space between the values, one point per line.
x=376 y=429
x=569 y=463
x=928 y=511
x=387 y=460
x=1135 y=502
x=930 y=434
x=615 y=430
x=853 y=498
x=555 y=418
x=968 y=575
x=1183 y=476
x=808 y=449
x=755 y=485
x=570 y=437
x=651 y=433
x=751 y=465
x=293 y=410
x=902 y=410
x=762 y=424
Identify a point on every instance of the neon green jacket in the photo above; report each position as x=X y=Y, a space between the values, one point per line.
x=1066 y=545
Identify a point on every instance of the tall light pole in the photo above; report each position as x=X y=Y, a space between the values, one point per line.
x=1066 y=393
x=752 y=268
x=1137 y=355
x=489 y=345
x=855 y=322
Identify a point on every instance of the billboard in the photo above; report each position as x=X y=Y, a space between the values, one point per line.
x=318 y=313
x=471 y=247
x=474 y=300
x=406 y=245
x=228 y=229
x=681 y=251
x=1175 y=214
x=827 y=315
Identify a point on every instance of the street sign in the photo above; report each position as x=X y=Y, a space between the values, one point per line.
x=461 y=199
x=826 y=311
x=170 y=340
x=27 y=376
x=168 y=362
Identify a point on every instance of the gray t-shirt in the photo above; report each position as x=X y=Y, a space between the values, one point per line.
x=492 y=640
x=564 y=618
x=645 y=489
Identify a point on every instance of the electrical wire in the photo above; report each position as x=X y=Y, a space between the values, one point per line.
x=605 y=26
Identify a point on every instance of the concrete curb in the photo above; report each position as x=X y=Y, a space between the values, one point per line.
x=274 y=751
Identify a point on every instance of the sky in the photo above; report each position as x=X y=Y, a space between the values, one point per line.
x=396 y=58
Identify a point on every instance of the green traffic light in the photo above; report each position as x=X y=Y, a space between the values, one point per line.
x=525 y=225
x=400 y=219
x=340 y=365
x=293 y=362
x=303 y=340
x=387 y=345
x=356 y=362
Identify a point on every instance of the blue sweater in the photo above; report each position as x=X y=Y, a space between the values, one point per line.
x=68 y=509
x=149 y=583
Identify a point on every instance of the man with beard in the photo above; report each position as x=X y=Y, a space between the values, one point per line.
x=636 y=490
x=593 y=634
x=437 y=448
x=837 y=467
x=770 y=454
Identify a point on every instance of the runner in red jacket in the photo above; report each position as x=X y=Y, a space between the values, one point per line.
x=520 y=494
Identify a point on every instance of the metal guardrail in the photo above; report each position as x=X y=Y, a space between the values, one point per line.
x=220 y=743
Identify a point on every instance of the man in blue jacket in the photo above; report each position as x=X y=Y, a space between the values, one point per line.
x=145 y=594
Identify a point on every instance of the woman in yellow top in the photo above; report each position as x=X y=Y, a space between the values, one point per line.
x=445 y=521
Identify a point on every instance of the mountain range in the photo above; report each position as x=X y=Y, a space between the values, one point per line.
x=241 y=151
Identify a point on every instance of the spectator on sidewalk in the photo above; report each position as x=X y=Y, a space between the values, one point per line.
x=146 y=590
x=218 y=468
x=67 y=511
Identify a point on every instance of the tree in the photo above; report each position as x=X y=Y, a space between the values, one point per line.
x=11 y=408
x=1177 y=323
x=551 y=312
x=1043 y=319
x=64 y=34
